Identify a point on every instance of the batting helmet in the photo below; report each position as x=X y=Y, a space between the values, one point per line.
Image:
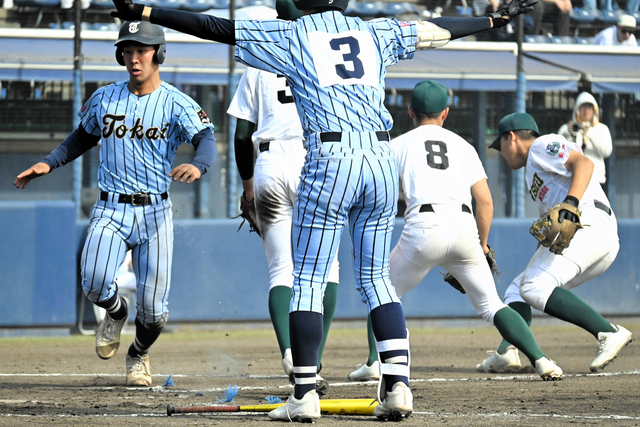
x=142 y=32
x=287 y=11
x=312 y=4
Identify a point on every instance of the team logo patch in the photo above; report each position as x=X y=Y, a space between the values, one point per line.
x=536 y=184
x=404 y=24
x=553 y=148
x=203 y=117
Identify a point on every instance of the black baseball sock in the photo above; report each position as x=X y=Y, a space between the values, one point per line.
x=144 y=339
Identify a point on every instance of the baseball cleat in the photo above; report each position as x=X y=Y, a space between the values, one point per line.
x=548 y=370
x=305 y=410
x=287 y=365
x=397 y=403
x=108 y=334
x=366 y=373
x=609 y=346
x=138 y=371
x=496 y=363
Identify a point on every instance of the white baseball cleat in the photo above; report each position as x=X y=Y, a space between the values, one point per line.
x=397 y=404
x=287 y=365
x=548 y=370
x=108 y=334
x=501 y=363
x=366 y=373
x=138 y=371
x=305 y=410
x=609 y=346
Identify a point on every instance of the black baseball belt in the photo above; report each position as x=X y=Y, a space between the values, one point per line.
x=264 y=146
x=337 y=136
x=598 y=204
x=135 y=199
x=429 y=208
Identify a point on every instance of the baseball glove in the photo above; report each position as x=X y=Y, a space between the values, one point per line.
x=557 y=226
x=448 y=277
x=248 y=213
x=507 y=12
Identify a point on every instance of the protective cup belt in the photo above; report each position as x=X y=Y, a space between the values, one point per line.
x=602 y=206
x=429 y=208
x=135 y=199
x=337 y=136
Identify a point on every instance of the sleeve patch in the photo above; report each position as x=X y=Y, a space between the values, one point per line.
x=553 y=148
x=203 y=117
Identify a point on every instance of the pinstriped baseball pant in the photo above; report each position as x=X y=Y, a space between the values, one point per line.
x=148 y=231
x=354 y=181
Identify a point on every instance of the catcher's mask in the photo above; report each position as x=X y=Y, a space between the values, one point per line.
x=142 y=32
x=312 y=4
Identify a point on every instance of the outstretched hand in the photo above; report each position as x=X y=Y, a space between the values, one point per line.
x=127 y=10
x=507 y=12
x=34 y=171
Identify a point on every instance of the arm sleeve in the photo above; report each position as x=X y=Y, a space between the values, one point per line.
x=204 y=26
x=206 y=150
x=244 y=148
x=74 y=146
x=461 y=27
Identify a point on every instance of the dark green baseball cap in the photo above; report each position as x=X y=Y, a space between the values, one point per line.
x=287 y=11
x=514 y=121
x=429 y=97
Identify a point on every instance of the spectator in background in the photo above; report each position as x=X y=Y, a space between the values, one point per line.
x=556 y=11
x=593 y=137
x=67 y=8
x=620 y=34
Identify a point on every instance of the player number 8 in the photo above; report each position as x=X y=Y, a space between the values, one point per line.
x=436 y=159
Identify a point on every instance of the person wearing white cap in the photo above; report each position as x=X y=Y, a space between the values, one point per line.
x=620 y=34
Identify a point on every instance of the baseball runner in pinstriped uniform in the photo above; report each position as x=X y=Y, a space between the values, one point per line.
x=141 y=123
x=555 y=171
x=440 y=228
x=268 y=125
x=335 y=66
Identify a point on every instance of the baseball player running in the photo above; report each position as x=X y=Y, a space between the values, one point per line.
x=140 y=124
x=268 y=125
x=440 y=228
x=557 y=171
x=335 y=66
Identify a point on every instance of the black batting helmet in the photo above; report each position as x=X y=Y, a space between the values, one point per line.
x=142 y=32
x=312 y=4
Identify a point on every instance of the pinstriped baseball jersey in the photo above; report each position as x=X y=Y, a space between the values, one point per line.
x=140 y=135
x=335 y=65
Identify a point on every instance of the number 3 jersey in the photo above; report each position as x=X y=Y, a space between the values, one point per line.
x=435 y=166
x=335 y=65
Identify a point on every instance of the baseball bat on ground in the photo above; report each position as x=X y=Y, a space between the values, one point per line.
x=327 y=406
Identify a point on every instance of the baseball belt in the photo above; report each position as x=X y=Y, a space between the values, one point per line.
x=264 y=146
x=429 y=208
x=135 y=199
x=602 y=206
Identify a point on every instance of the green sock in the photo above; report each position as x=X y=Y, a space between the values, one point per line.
x=279 y=300
x=568 y=307
x=371 y=338
x=329 y=303
x=524 y=310
x=515 y=330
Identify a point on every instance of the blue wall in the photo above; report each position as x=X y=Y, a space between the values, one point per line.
x=221 y=274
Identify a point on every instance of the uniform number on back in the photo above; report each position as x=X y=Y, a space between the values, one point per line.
x=284 y=95
x=436 y=154
x=347 y=58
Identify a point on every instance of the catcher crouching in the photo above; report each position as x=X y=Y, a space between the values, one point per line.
x=577 y=232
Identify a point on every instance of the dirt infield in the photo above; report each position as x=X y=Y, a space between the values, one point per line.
x=61 y=381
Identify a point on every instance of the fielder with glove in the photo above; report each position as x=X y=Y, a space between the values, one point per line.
x=560 y=181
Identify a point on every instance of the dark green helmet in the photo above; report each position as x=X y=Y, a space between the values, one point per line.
x=142 y=32
x=312 y=4
x=287 y=11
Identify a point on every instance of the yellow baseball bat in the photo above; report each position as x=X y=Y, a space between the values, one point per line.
x=327 y=406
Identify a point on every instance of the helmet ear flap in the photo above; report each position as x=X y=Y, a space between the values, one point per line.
x=119 y=55
x=161 y=51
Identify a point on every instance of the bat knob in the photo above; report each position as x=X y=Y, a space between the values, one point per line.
x=170 y=410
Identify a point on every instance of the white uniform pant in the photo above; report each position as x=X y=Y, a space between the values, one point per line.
x=590 y=253
x=276 y=179
x=448 y=238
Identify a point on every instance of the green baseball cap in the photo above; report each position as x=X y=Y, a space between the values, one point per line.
x=514 y=121
x=287 y=11
x=429 y=97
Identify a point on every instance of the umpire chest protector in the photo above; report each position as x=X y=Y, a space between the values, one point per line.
x=144 y=33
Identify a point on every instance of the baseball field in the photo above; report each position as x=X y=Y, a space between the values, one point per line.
x=61 y=381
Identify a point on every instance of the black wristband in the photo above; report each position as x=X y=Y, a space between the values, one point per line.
x=572 y=201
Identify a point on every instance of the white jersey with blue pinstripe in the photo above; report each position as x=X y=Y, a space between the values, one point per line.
x=333 y=61
x=140 y=135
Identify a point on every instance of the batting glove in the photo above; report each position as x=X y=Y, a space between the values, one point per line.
x=128 y=10
x=507 y=12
